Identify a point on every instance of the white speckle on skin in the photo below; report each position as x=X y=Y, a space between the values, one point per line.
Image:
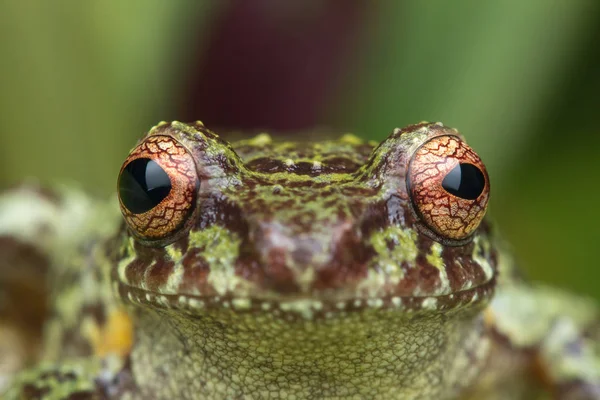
x=163 y=301
x=429 y=303
x=241 y=304
x=195 y=303
x=375 y=303
x=305 y=307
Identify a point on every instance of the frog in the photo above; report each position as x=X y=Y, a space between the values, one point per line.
x=276 y=269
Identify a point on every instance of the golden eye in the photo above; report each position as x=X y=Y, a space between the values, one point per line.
x=157 y=187
x=449 y=187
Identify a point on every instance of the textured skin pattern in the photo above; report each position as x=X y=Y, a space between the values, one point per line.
x=377 y=354
x=303 y=271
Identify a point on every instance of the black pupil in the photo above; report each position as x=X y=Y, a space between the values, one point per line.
x=465 y=181
x=142 y=185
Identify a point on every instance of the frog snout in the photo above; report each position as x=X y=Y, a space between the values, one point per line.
x=279 y=244
x=309 y=258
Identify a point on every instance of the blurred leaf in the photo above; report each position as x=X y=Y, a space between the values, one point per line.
x=82 y=80
x=486 y=68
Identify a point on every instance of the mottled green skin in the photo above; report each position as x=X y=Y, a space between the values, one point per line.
x=304 y=272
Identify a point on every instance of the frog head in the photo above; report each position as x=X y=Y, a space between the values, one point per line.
x=310 y=268
x=339 y=224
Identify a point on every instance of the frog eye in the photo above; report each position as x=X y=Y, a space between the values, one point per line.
x=157 y=187
x=449 y=187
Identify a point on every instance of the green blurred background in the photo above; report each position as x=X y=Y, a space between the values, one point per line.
x=81 y=81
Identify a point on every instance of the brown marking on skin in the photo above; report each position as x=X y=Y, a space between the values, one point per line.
x=420 y=280
x=473 y=269
x=448 y=215
x=266 y=165
x=172 y=212
x=301 y=184
x=349 y=264
x=461 y=267
x=218 y=210
x=272 y=158
x=307 y=168
x=158 y=274
x=151 y=267
x=277 y=274
x=195 y=275
x=340 y=164
x=457 y=275
x=24 y=306
x=135 y=271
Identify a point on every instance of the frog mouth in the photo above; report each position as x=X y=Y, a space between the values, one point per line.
x=309 y=307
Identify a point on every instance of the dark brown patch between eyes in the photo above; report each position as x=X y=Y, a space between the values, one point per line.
x=328 y=166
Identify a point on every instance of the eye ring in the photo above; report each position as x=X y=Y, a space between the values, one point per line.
x=157 y=188
x=449 y=188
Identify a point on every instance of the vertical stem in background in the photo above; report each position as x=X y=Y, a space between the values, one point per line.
x=272 y=64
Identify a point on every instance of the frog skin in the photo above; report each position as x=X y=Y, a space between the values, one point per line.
x=259 y=269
